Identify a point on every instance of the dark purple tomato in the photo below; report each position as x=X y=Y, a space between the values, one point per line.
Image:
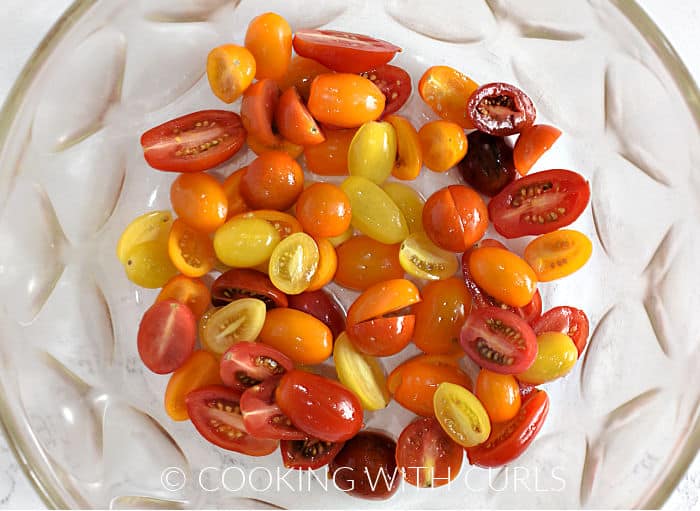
x=500 y=109
x=322 y=306
x=488 y=166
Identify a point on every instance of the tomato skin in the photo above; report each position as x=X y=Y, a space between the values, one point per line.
x=327 y=265
x=330 y=158
x=308 y=454
x=556 y=357
x=363 y=262
x=175 y=146
x=383 y=337
x=262 y=417
x=232 y=188
x=532 y=143
x=510 y=439
x=230 y=70
x=321 y=306
x=294 y=121
x=199 y=370
x=567 y=320
x=409 y=156
x=300 y=336
x=395 y=84
x=499 y=393
x=269 y=39
x=200 y=201
x=557 y=196
x=248 y=363
x=343 y=51
x=258 y=109
x=273 y=181
x=500 y=109
x=488 y=166
x=372 y=152
x=345 y=100
x=324 y=210
x=192 y=292
x=300 y=74
x=245 y=242
x=285 y=146
x=455 y=217
x=443 y=143
x=383 y=298
x=323 y=408
x=284 y=223
x=503 y=275
x=166 y=336
x=241 y=283
x=557 y=254
x=447 y=91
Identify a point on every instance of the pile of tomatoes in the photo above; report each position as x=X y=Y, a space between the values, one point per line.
x=243 y=316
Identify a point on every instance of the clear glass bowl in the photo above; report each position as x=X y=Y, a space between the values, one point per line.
x=86 y=418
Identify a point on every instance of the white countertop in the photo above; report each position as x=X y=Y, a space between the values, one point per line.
x=24 y=22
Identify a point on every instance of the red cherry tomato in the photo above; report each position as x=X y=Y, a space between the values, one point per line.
x=321 y=306
x=395 y=84
x=294 y=121
x=166 y=336
x=567 y=320
x=245 y=283
x=246 y=364
x=308 y=454
x=343 y=51
x=532 y=143
x=455 y=217
x=258 y=108
x=500 y=109
x=262 y=417
x=194 y=142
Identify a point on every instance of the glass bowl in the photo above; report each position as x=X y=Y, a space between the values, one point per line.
x=85 y=417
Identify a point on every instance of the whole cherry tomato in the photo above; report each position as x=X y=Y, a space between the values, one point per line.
x=269 y=39
x=499 y=393
x=488 y=166
x=199 y=370
x=455 y=217
x=200 y=201
x=330 y=158
x=503 y=275
x=447 y=91
x=273 y=181
x=323 y=210
x=443 y=143
x=345 y=100
x=363 y=262
x=230 y=70
x=300 y=336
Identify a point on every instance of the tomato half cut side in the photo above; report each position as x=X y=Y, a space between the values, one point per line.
x=395 y=84
x=308 y=454
x=262 y=417
x=166 y=336
x=245 y=283
x=249 y=363
x=294 y=121
x=567 y=320
x=194 y=142
x=499 y=340
x=510 y=439
x=216 y=414
x=500 y=109
x=258 y=110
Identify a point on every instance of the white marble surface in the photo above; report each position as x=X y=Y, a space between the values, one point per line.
x=24 y=22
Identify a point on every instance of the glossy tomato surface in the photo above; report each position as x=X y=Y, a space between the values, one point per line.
x=262 y=417
x=246 y=283
x=199 y=370
x=395 y=84
x=345 y=100
x=455 y=217
x=323 y=307
x=246 y=364
x=308 y=454
x=300 y=336
x=488 y=166
x=363 y=262
x=500 y=109
x=166 y=336
x=567 y=320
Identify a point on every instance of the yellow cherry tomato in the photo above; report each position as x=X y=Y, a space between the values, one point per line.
x=409 y=202
x=148 y=264
x=293 y=263
x=239 y=321
x=245 y=242
x=556 y=356
x=361 y=373
x=422 y=258
x=461 y=415
x=151 y=226
x=372 y=152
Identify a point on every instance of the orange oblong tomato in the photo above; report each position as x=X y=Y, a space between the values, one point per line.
x=409 y=157
x=230 y=70
x=300 y=74
x=190 y=250
x=200 y=201
x=532 y=143
x=330 y=158
x=443 y=143
x=199 y=370
x=499 y=393
x=447 y=91
x=363 y=262
x=324 y=210
x=327 y=265
x=192 y=292
x=557 y=254
x=281 y=144
x=294 y=121
x=269 y=39
x=345 y=100
x=300 y=336
x=503 y=275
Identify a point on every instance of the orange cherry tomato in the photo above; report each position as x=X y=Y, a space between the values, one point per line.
x=455 y=217
x=258 y=110
x=192 y=292
x=440 y=316
x=285 y=146
x=190 y=250
x=285 y=223
x=503 y=275
x=363 y=262
x=557 y=254
x=200 y=201
x=230 y=70
x=345 y=100
x=323 y=210
x=327 y=265
x=499 y=393
x=330 y=158
x=273 y=181
x=269 y=39
x=232 y=189
x=444 y=145
x=294 y=121
x=447 y=91
x=409 y=158
x=414 y=382
x=300 y=74
x=300 y=336
x=199 y=370
x=532 y=143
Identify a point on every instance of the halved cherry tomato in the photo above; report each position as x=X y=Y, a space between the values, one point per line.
x=503 y=275
x=323 y=210
x=409 y=156
x=269 y=39
x=567 y=320
x=192 y=292
x=426 y=456
x=499 y=393
x=409 y=202
x=539 y=203
x=230 y=70
x=414 y=382
x=148 y=264
x=330 y=158
x=239 y=321
x=308 y=454
x=443 y=143
x=395 y=84
x=245 y=242
x=151 y=226
x=447 y=91
x=422 y=258
x=556 y=357
x=200 y=201
x=294 y=263
x=323 y=408
x=373 y=325
x=285 y=223
x=216 y=414
x=345 y=100
x=199 y=370
x=557 y=254
x=190 y=250
x=455 y=217
x=241 y=283
x=372 y=152
x=498 y=340
x=232 y=189
x=344 y=51
x=321 y=306
x=300 y=74
x=508 y=440
x=360 y=373
x=248 y=363
x=294 y=121
x=194 y=142
x=461 y=415
x=327 y=265
x=166 y=336
x=262 y=417
x=440 y=315
x=488 y=166
x=258 y=110
x=532 y=143
x=500 y=109
x=363 y=262
x=273 y=181
x=282 y=145
x=300 y=336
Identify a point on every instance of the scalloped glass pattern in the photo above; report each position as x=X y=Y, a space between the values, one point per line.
x=86 y=417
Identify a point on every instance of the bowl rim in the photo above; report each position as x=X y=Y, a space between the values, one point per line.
x=43 y=477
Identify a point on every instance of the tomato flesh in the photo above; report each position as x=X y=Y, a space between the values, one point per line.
x=308 y=454
x=246 y=364
x=567 y=320
x=246 y=283
x=262 y=417
x=500 y=109
x=166 y=337
x=395 y=84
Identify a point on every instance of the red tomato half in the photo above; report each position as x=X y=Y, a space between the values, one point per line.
x=248 y=363
x=343 y=51
x=261 y=415
x=244 y=283
x=167 y=334
x=567 y=320
x=395 y=84
x=194 y=142
x=308 y=454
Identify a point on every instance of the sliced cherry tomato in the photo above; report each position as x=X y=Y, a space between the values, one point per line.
x=503 y=275
x=461 y=415
x=241 y=283
x=232 y=189
x=363 y=262
x=200 y=201
x=321 y=306
x=372 y=152
x=414 y=382
x=151 y=226
x=500 y=109
x=557 y=254
x=440 y=315
x=248 y=363
x=508 y=440
x=199 y=370
x=239 y=321
x=190 y=250
x=269 y=39
x=300 y=74
x=300 y=336
x=327 y=265
x=308 y=454
x=422 y=258
x=344 y=51
x=166 y=337
x=192 y=292
x=383 y=298
x=148 y=264
x=294 y=121
x=194 y=142
x=216 y=414
x=360 y=373
x=409 y=156
x=323 y=408
x=488 y=166
x=281 y=145
x=395 y=84
x=330 y=158
x=293 y=263
x=409 y=202
x=567 y=320
x=455 y=217
x=499 y=393
x=258 y=110
x=426 y=456
x=230 y=70
x=443 y=144
x=447 y=91
x=556 y=357
x=345 y=100
x=285 y=223
x=539 y=203
x=323 y=210
x=498 y=340
x=532 y=143
x=273 y=180
x=262 y=417
x=245 y=242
